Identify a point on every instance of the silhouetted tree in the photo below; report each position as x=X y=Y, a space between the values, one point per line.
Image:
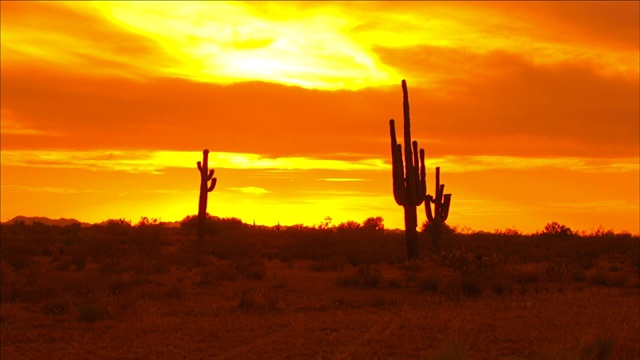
x=555 y=228
x=409 y=184
x=326 y=223
x=206 y=175
x=374 y=223
x=349 y=225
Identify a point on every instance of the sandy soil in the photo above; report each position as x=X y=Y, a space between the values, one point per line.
x=298 y=313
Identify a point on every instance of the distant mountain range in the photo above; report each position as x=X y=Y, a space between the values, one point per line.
x=29 y=220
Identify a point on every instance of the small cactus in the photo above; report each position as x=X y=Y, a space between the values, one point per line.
x=206 y=175
x=440 y=213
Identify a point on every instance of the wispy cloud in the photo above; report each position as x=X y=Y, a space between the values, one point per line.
x=156 y=161
x=46 y=189
x=343 y=179
x=10 y=126
x=251 y=190
x=461 y=164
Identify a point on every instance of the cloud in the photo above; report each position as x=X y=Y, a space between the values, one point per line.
x=326 y=46
x=46 y=189
x=464 y=164
x=65 y=35
x=602 y=35
x=343 y=179
x=156 y=161
x=11 y=127
x=251 y=190
x=500 y=104
x=521 y=110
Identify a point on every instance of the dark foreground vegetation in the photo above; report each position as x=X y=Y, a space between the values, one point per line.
x=59 y=281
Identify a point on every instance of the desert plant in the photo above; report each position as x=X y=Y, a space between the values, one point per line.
x=429 y=282
x=56 y=307
x=374 y=223
x=409 y=184
x=440 y=213
x=472 y=285
x=259 y=300
x=91 y=312
x=251 y=268
x=175 y=291
x=599 y=349
x=218 y=271
x=556 y=229
x=370 y=275
x=367 y=275
x=206 y=175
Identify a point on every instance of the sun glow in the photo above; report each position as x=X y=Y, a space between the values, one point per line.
x=530 y=109
x=230 y=42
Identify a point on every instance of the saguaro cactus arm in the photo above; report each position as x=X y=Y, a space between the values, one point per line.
x=445 y=207
x=399 y=190
x=214 y=181
x=427 y=205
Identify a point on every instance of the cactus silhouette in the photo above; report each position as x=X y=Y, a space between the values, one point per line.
x=206 y=175
x=440 y=213
x=409 y=184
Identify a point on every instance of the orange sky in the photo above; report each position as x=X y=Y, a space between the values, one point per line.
x=530 y=109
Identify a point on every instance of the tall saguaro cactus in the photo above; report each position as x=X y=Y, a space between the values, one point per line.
x=206 y=175
x=440 y=213
x=409 y=184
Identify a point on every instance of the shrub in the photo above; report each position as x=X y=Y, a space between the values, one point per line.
x=599 y=349
x=79 y=260
x=498 y=287
x=335 y=263
x=260 y=299
x=175 y=291
x=253 y=268
x=578 y=274
x=217 y=272
x=370 y=275
x=18 y=258
x=367 y=275
x=452 y=289
x=557 y=229
x=109 y=266
x=604 y=277
x=430 y=283
x=90 y=313
x=56 y=307
x=472 y=285
x=117 y=286
x=527 y=274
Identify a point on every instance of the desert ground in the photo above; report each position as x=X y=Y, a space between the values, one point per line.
x=122 y=291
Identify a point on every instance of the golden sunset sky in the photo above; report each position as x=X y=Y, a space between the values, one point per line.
x=530 y=109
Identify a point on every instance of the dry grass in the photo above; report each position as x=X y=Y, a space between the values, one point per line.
x=73 y=292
